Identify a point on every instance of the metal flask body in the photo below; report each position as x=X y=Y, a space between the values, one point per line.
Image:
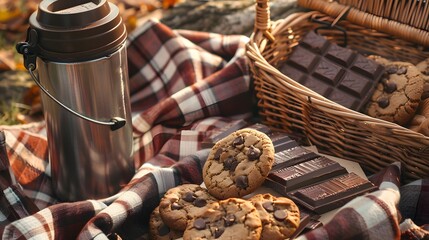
x=78 y=49
x=88 y=160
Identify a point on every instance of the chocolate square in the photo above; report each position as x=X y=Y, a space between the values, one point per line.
x=341 y=55
x=328 y=71
x=303 y=59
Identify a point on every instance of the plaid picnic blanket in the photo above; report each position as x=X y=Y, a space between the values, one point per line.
x=185 y=85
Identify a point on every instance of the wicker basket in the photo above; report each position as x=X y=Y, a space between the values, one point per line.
x=286 y=105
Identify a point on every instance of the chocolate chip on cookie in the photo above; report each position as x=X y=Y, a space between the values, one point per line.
x=280 y=216
x=159 y=230
x=189 y=196
x=253 y=153
x=199 y=224
x=232 y=218
x=181 y=203
x=390 y=87
x=230 y=164
x=238 y=163
x=238 y=141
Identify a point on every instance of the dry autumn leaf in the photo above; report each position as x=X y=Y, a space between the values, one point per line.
x=169 y=3
x=7 y=61
x=6 y=14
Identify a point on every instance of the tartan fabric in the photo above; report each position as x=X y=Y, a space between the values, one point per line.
x=414 y=202
x=184 y=86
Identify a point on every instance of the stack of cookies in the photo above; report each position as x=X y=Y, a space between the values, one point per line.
x=402 y=95
x=236 y=166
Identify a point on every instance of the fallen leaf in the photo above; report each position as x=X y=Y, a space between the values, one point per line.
x=131 y=23
x=6 y=14
x=7 y=61
x=169 y=3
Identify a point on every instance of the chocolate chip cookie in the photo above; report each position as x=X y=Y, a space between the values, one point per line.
x=423 y=67
x=158 y=230
x=398 y=94
x=238 y=163
x=280 y=216
x=181 y=203
x=233 y=218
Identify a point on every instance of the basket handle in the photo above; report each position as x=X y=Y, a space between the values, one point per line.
x=368 y=20
x=262 y=19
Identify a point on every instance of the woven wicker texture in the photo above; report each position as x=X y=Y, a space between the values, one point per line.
x=286 y=105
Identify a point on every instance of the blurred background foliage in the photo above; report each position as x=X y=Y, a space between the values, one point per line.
x=14 y=15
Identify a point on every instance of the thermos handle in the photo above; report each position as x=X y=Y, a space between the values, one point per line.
x=29 y=50
x=115 y=123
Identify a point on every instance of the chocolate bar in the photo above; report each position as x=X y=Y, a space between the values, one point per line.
x=337 y=73
x=223 y=132
x=230 y=128
x=292 y=156
x=260 y=127
x=303 y=174
x=333 y=193
x=282 y=141
x=313 y=224
x=308 y=222
x=304 y=220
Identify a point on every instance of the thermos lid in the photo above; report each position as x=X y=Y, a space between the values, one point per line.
x=78 y=30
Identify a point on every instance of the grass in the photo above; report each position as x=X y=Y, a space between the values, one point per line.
x=11 y=111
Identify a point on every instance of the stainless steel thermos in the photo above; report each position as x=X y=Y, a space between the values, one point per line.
x=80 y=53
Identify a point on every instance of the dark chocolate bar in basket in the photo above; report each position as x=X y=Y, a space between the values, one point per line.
x=337 y=73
